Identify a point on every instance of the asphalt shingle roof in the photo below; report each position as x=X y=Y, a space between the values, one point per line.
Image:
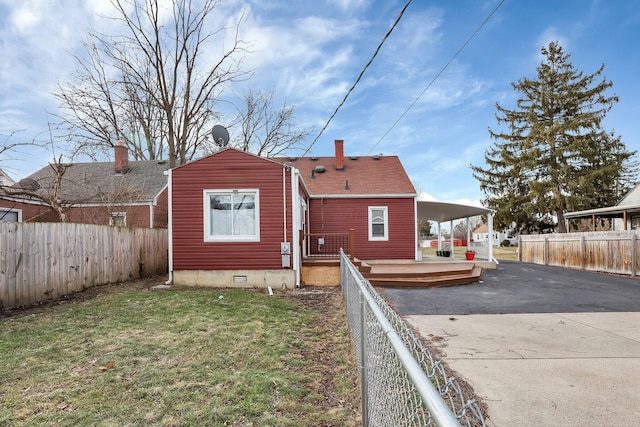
x=97 y=182
x=366 y=175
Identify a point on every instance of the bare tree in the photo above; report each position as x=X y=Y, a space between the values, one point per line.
x=9 y=147
x=266 y=129
x=460 y=229
x=156 y=85
x=47 y=190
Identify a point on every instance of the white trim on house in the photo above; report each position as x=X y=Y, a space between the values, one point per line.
x=4 y=211
x=113 y=217
x=208 y=234
x=385 y=223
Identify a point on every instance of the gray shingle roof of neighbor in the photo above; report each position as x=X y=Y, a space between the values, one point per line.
x=97 y=182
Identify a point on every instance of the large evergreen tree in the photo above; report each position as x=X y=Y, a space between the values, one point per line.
x=552 y=155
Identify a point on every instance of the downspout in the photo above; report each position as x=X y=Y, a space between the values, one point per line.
x=417 y=229
x=151 y=215
x=170 y=225
x=295 y=206
x=284 y=201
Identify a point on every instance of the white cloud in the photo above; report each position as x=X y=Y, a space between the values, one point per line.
x=550 y=34
x=426 y=197
x=350 y=5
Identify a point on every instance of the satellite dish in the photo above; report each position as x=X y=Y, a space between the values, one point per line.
x=29 y=184
x=220 y=135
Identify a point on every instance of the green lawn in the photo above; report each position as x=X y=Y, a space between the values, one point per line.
x=132 y=356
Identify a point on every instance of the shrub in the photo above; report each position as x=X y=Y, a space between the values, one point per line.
x=506 y=243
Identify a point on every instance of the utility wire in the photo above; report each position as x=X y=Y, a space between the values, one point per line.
x=360 y=76
x=437 y=75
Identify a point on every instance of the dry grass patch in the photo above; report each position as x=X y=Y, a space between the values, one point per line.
x=135 y=356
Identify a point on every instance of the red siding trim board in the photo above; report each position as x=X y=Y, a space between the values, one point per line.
x=229 y=169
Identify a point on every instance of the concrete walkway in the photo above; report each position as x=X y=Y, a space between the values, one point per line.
x=574 y=369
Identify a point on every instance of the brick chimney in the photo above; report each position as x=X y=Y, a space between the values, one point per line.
x=121 y=163
x=339 y=155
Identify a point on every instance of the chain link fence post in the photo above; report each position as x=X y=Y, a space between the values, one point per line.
x=363 y=360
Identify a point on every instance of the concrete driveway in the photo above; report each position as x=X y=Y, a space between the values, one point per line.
x=542 y=346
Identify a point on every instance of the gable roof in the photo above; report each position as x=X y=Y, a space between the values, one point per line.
x=97 y=182
x=230 y=151
x=630 y=203
x=361 y=176
x=483 y=228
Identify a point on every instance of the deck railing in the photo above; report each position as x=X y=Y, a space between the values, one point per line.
x=327 y=245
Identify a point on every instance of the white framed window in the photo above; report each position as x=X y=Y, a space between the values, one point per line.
x=10 y=215
x=378 y=223
x=118 y=219
x=232 y=215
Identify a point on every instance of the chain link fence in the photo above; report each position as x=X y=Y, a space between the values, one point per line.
x=401 y=382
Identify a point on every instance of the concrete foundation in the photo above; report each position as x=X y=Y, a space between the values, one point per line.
x=235 y=278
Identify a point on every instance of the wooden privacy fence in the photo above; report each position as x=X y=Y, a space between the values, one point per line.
x=604 y=251
x=40 y=261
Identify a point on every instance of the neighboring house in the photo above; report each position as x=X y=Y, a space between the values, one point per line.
x=240 y=219
x=122 y=192
x=481 y=235
x=625 y=215
x=6 y=214
x=5 y=180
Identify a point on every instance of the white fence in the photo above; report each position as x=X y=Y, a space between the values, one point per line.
x=40 y=261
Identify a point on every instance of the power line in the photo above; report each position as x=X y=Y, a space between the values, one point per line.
x=437 y=75
x=360 y=76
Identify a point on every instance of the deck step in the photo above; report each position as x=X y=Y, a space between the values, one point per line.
x=428 y=281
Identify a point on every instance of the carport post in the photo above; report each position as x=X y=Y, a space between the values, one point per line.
x=490 y=225
x=451 y=237
x=439 y=236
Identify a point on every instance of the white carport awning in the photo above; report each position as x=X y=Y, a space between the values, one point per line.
x=441 y=211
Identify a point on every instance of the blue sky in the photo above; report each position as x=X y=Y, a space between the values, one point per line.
x=310 y=53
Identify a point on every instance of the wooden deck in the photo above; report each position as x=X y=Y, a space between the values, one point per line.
x=411 y=274
x=422 y=275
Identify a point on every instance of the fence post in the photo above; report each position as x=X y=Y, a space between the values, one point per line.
x=364 y=389
x=634 y=267
x=545 y=254
x=520 y=243
x=352 y=239
x=583 y=252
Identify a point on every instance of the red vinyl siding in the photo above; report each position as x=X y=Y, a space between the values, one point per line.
x=339 y=215
x=228 y=170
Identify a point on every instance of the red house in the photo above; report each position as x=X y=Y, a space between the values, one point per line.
x=236 y=219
